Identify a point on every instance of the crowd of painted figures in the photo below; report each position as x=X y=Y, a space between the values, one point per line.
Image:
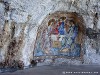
x=58 y=39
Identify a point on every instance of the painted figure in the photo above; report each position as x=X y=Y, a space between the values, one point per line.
x=58 y=39
x=71 y=33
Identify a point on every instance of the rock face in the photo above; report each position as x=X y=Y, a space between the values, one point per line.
x=20 y=19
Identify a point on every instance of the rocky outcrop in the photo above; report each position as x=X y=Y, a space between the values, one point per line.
x=20 y=19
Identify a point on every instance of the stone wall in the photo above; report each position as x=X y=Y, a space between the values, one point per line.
x=19 y=20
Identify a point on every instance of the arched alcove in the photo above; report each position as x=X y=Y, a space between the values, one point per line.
x=61 y=34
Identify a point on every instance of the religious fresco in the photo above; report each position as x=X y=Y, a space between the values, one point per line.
x=58 y=38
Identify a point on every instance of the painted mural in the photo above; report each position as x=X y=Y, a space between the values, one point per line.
x=58 y=38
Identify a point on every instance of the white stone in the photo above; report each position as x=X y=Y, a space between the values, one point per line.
x=98 y=24
x=2 y=15
x=19 y=17
x=38 y=9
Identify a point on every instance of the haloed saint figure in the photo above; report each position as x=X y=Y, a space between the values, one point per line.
x=59 y=38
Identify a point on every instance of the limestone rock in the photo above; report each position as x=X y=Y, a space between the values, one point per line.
x=26 y=15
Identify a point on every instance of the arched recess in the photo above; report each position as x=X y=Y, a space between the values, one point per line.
x=61 y=34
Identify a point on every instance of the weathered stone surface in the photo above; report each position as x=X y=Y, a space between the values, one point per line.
x=26 y=17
